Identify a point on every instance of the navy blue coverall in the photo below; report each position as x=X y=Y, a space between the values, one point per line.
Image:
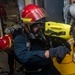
x=34 y=58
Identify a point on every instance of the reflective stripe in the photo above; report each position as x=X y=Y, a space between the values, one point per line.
x=10 y=43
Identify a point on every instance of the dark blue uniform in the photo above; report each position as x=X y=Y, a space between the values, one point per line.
x=33 y=59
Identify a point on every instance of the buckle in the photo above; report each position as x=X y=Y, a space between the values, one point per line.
x=31 y=71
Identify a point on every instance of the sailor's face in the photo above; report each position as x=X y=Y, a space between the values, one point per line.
x=35 y=28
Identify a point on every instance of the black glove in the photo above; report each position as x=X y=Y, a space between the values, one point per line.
x=59 y=52
x=68 y=45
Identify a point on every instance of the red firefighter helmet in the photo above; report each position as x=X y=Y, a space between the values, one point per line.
x=32 y=13
x=5 y=42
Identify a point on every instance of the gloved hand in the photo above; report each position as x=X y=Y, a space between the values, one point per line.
x=59 y=52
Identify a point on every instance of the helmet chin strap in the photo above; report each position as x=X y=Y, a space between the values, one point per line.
x=32 y=36
x=37 y=35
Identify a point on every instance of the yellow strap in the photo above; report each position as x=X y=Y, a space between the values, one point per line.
x=10 y=42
